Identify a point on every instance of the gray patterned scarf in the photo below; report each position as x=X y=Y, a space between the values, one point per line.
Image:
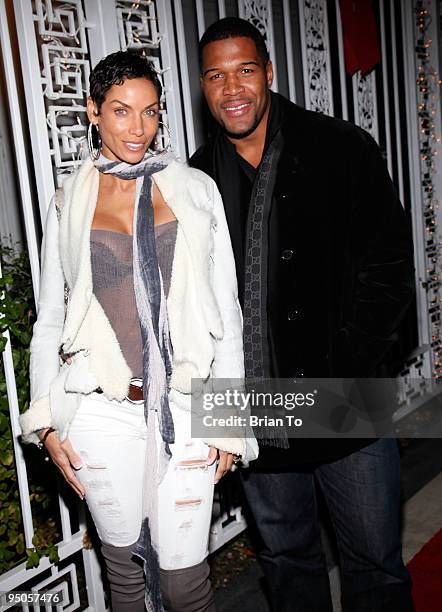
x=256 y=332
x=151 y=306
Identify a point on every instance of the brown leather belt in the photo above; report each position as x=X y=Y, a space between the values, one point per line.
x=135 y=393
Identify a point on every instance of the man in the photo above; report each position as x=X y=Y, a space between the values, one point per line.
x=324 y=266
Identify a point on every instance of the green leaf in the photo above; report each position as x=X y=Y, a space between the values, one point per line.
x=52 y=552
x=20 y=548
x=6 y=457
x=33 y=558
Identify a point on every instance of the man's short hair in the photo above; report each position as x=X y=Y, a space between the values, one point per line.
x=116 y=68
x=233 y=27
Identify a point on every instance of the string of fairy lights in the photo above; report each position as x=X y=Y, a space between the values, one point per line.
x=428 y=84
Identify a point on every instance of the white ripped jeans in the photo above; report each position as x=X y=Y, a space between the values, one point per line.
x=110 y=437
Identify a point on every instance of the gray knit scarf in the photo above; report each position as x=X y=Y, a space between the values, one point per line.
x=151 y=306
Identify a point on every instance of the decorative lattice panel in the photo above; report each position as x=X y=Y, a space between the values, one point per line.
x=366 y=111
x=317 y=67
x=258 y=14
x=65 y=67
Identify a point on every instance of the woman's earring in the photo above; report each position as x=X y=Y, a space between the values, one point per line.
x=94 y=141
x=167 y=147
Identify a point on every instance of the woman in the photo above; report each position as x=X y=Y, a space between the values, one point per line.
x=142 y=250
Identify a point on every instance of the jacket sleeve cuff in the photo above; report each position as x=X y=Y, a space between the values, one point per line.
x=236 y=446
x=37 y=417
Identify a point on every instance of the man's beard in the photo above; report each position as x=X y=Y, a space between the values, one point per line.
x=240 y=135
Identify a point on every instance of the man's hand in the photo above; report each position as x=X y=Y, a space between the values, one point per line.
x=66 y=459
x=225 y=463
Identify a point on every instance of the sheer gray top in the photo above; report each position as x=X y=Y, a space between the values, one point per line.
x=112 y=274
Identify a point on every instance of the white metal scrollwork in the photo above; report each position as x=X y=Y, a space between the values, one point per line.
x=316 y=55
x=364 y=91
x=137 y=24
x=61 y=30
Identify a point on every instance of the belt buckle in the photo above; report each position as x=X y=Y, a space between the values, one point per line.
x=136 y=382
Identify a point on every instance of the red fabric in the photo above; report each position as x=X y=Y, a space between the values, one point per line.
x=361 y=49
x=426 y=572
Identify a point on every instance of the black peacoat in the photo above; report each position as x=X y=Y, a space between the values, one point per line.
x=340 y=274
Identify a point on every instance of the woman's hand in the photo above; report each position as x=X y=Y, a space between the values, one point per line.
x=65 y=357
x=225 y=463
x=66 y=459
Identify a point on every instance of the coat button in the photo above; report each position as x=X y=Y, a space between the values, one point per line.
x=294 y=313
x=287 y=254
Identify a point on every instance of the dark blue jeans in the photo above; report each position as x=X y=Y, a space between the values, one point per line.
x=362 y=496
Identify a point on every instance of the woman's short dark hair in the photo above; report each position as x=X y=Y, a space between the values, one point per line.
x=233 y=27
x=116 y=68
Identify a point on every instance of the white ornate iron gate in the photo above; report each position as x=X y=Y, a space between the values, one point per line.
x=398 y=103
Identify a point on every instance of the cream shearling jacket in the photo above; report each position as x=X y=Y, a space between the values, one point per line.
x=204 y=314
